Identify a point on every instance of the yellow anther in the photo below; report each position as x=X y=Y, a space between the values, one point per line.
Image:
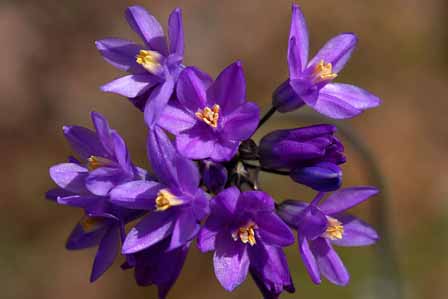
x=150 y=60
x=335 y=229
x=246 y=234
x=209 y=116
x=89 y=224
x=165 y=199
x=95 y=162
x=324 y=72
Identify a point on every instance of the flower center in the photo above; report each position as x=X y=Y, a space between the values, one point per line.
x=94 y=162
x=323 y=72
x=165 y=199
x=89 y=224
x=246 y=234
x=150 y=60
x=209 y=116
x=335 y=229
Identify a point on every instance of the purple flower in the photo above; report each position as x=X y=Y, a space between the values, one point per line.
x=214 y=176
x=153 y=67
x=310 y=153
x=210 y=119
x=310 y=81
x=321 y=225
x=245 y=234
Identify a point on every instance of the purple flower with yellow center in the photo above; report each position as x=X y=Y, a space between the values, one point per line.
x=104 y=161
x=246 y=235
x=321 y=225
x=210 y=119
x=310 y=82
x=154 y=67
x=311 y=154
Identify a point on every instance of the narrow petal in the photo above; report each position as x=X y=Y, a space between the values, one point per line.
x=231 y=262
x=176 y=32
x=101 y=180
x=191 y=91
x=185 y=229
x=130 y=86
x=147 y=27
x=290 y=211
x=357 y=97
x=336 y=51
x=312 y=223
x=273 y=230
x=329 y=263
x=309 y=260
x=347 y=198
x=242 y=122
x=175 y=118
x=294 y=60
x=334 y=107
x=79 y=239
x=226 y=202
x=78 y=201
x=121 y=153
x=103 y=131
x=224 y=150
x=120 y=53
x=157 y=102
x=298 y=33
x=256 y=202
x=208 y=233
x=229 y=89
x=57 y=192
x=187 y=175
x=84 y=142
x=356 y=232
x=136 y=195
x=197 y=142
x=107 y=251
x=69 y=176
x=150 y=230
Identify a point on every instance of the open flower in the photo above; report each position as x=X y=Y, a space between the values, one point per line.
x=310 y=82
x=153 y=67
x=245 y=234
x=311 y=154
x=210 y=119
x=321 y=225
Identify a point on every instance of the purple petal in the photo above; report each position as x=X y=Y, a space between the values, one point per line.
x=197 y=142
x=357 y=97
x=120 y=53
x=56 y=193
x=103 y=131
x=191 y=91
x=336 y=51
x=185 y=229
x=309 y=260
x=214 y=176
x=136 y=195
x=242 y=122
x=121 y=153
x=78 y=201
x=229 y=89
x=147 y=27
x=298 y=35
x=329 y=263
x=226 y=202
x=84 y=142
x=324 y=176
x=224 y=150
x=200 y=204
x=231 y=262
x=294 y=63
x=107 y=251
x=290 y=211
x=356 y=232
x=176 y=32
x=150 y=230
x=273 y=230
x=334 y=107
x=256 y=202
x=347 y=198
x=187 y=175
x=130 y=86
x=79 y=239
x=101 y=180
x=307 y=92
x=157 y=101
x=208 y=233
x=69 y=176
x=176 y=119
x=313 y=223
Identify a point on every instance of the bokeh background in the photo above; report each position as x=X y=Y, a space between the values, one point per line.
x=50 y=73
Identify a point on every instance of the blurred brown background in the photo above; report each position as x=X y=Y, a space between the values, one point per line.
x=50 y=74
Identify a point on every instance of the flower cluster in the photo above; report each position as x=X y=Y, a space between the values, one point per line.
x=203 y=185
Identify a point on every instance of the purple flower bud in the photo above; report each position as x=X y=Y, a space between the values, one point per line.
x=322 y=177
x=214 y=176
x=286 y=99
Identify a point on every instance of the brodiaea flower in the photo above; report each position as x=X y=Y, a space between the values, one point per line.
x=210 y=119
x=321 y=225
x=310 y=153
x=246 y=234
x=153 y=67
x=310 y=81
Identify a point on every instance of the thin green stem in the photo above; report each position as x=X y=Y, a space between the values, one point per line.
x=274 y=171
x=267 y=116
